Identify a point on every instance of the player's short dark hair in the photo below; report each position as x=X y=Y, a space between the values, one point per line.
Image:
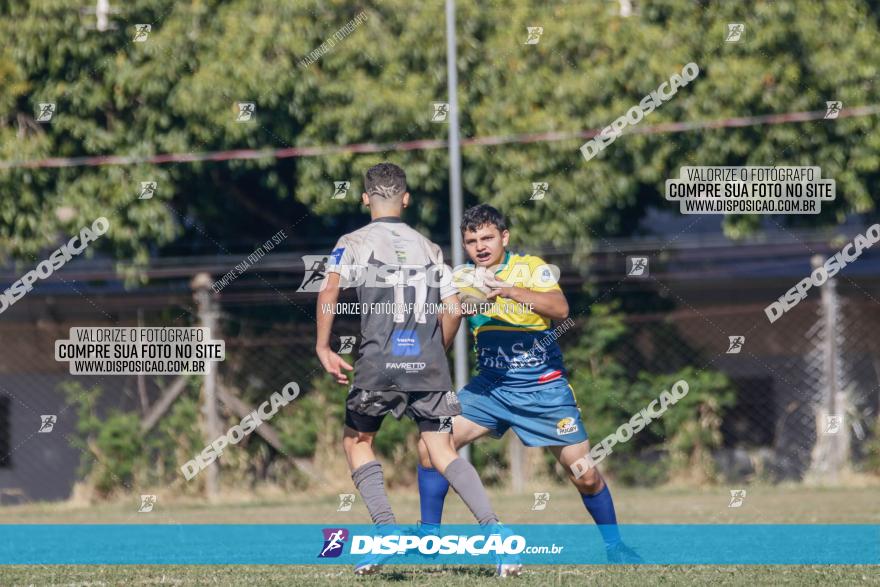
x=386 y=181
x=480 y=215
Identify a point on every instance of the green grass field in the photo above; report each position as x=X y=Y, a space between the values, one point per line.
x=762 y=505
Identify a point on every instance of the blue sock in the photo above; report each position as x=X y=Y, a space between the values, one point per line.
x=601 y=507
x=433 y=487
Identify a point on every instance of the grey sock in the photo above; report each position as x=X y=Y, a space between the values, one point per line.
x=464 y=479
x=370 y=483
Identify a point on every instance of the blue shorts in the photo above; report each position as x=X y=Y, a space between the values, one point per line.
x=542 y=416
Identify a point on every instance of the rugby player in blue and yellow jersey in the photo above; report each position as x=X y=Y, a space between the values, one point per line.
x=522 y=382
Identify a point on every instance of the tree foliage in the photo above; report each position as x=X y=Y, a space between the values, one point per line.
x=177 y=93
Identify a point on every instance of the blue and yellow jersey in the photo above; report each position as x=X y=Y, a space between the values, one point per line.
x=512 y=343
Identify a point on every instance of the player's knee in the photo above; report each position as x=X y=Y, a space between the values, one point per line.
x=353 y=439
x=588 y=483
x=440 y=452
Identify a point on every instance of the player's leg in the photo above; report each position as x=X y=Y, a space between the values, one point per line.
x=592 y=488
x=554 y=420
x=596 y=496
x=460 y=474
x=433 y=486
x=549 y=416
x=366 y=472
x=434 y=413
x=476 y=420
x=364 y=411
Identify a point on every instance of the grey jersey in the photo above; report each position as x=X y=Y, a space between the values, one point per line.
x=398 y=275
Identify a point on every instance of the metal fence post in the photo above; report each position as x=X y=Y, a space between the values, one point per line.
x=831 y=452
x=206 y=303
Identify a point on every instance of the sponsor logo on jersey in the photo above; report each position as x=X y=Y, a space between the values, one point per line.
x=566 y=426
x=405 y=343
x=408 y=367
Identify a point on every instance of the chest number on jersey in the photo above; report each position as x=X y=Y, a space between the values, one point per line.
x=406 y=278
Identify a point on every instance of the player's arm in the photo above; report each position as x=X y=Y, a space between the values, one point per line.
x=550 y=304
x=327 y=298
x=450 y=319
x=541 y=291
x=450 y=314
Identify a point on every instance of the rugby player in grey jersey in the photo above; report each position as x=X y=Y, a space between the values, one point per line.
x=402 y=367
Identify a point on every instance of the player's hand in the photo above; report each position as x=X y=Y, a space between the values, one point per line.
x=334 y=364
x=499 y=287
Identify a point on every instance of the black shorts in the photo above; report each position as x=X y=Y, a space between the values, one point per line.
x=432 y=411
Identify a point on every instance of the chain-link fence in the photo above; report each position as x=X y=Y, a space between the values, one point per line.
x=788 y=415
x=805 y=387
